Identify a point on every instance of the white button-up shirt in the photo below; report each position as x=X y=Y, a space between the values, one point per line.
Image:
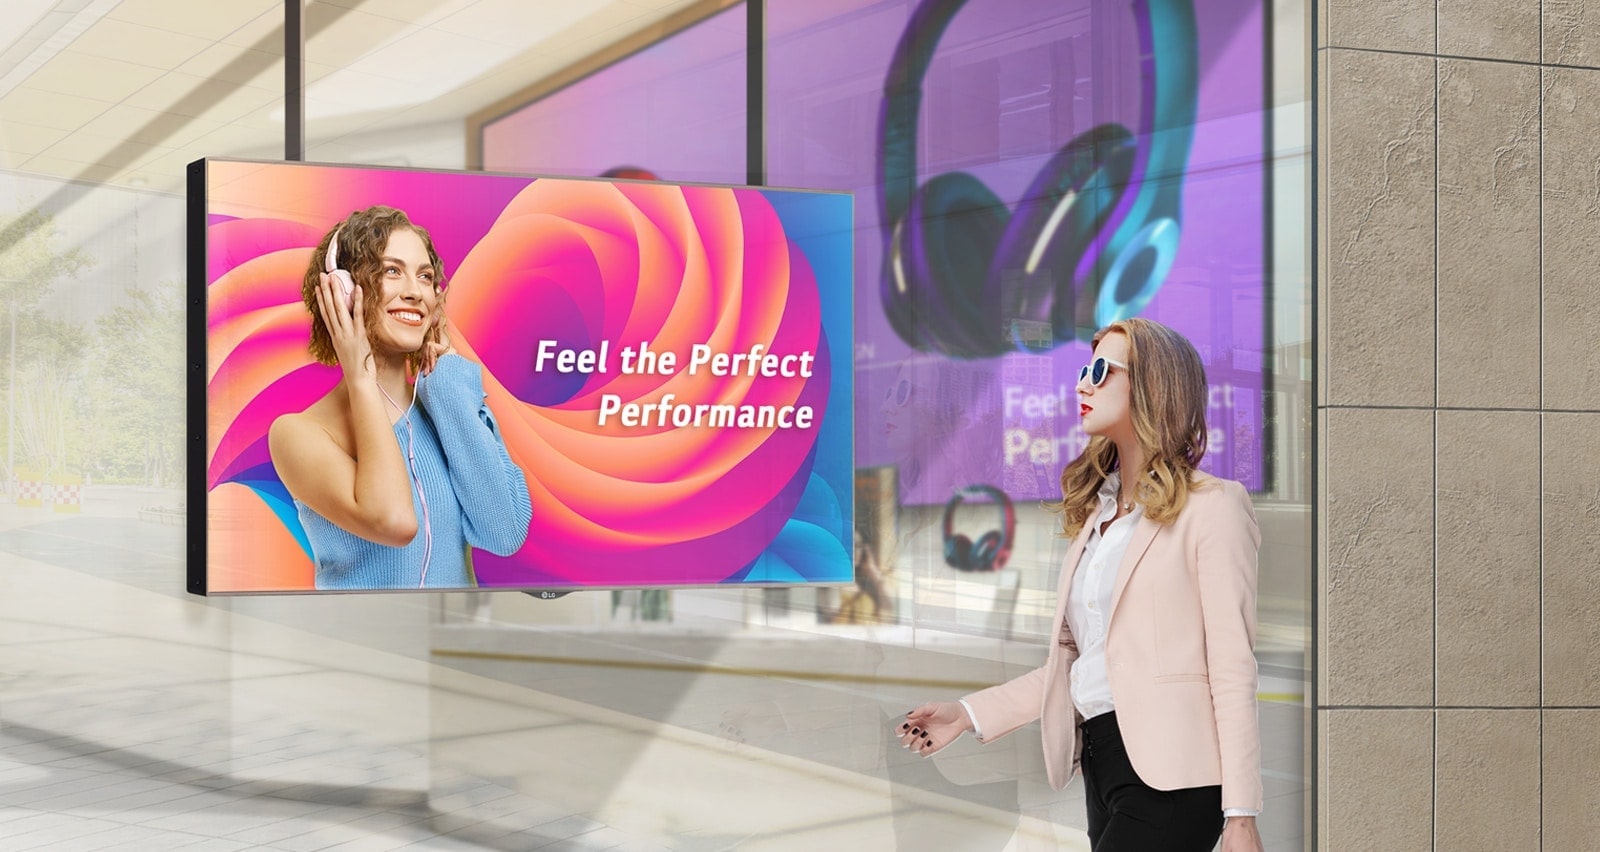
x=1089 y=600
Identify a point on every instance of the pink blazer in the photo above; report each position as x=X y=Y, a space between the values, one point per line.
x=1180 y=655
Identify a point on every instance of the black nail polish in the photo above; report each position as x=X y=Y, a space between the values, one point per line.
x=916 y=730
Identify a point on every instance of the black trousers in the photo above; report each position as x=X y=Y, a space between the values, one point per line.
x=1128 y=815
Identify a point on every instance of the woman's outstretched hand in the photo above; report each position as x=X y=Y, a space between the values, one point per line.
x=347 y=329
x=933 y=726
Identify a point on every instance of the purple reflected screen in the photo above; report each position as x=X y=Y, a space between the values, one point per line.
x=1010 y=83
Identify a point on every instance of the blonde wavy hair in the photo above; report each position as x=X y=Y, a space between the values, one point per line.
x=1168 y=408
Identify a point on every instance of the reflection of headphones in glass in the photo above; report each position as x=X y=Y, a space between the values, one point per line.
x=1081 y=250
x=993 y=548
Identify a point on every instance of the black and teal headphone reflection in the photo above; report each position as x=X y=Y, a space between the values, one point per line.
x=1080 y=251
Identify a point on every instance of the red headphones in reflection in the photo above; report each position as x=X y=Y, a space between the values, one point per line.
x=993 y=548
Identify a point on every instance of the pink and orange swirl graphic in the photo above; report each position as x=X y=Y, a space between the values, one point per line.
x=582 y=265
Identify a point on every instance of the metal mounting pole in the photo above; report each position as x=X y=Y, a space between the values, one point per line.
x=294 y=77
x=756 y=93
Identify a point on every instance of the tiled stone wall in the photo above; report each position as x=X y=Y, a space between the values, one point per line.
x=1458 y=571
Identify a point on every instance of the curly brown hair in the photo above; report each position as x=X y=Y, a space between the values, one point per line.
x=363 y=236
x=1168 y=408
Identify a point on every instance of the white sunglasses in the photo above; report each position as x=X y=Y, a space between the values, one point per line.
x=1098 y=370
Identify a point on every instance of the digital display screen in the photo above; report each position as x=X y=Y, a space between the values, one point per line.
x=647 y=384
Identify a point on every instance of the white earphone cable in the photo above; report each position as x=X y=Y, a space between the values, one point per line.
x=416 y=476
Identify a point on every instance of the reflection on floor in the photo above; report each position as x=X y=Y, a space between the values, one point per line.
x=134 y=717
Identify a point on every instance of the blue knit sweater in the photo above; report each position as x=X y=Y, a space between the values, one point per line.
x=476 y=495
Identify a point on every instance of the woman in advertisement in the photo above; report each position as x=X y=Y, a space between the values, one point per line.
x=400 y=468
x=1150 y=688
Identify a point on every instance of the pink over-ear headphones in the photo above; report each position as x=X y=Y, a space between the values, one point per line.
x=347 y=284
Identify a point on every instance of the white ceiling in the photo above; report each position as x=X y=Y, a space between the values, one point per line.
x=129 y=91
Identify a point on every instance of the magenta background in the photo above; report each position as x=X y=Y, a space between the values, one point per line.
x=579 y=261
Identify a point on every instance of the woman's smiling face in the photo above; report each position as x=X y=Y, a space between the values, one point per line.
x=405 y=306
